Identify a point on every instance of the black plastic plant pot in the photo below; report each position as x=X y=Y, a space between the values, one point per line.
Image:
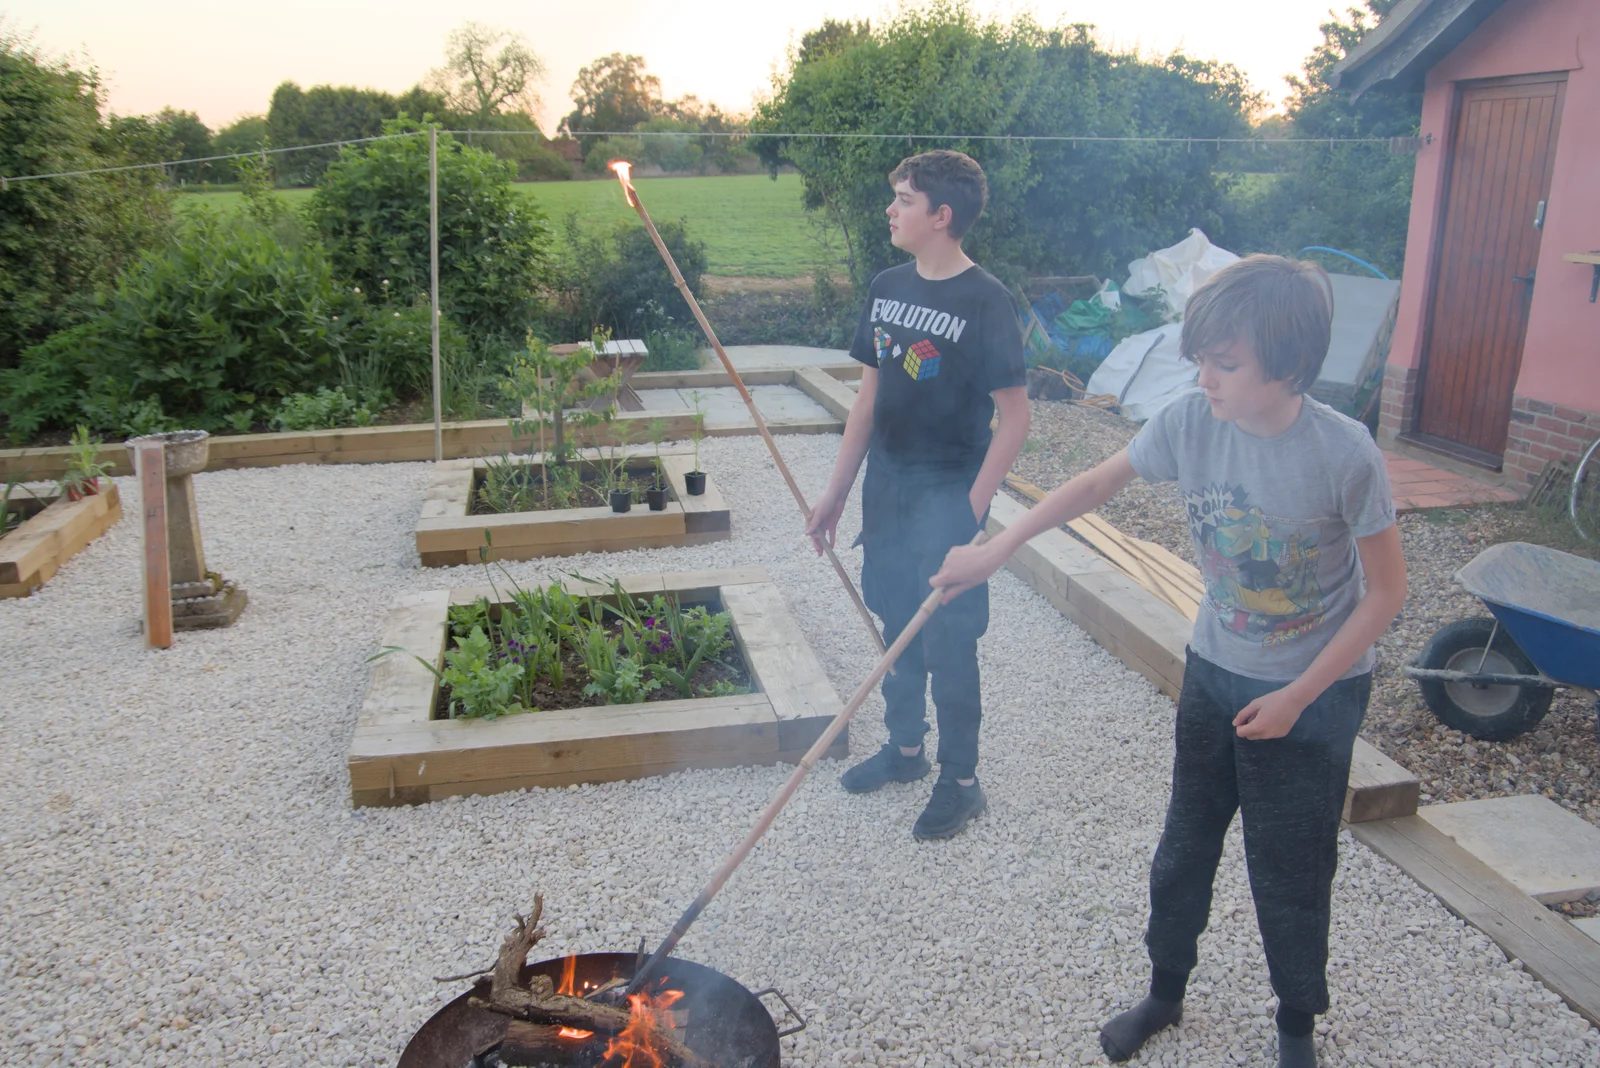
x=695 y=481
x=621 y=500
x=657 y=499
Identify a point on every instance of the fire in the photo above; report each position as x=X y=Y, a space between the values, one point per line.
x=635 y=1045
x=569 y=976
x=623 y=170
x=569 y=985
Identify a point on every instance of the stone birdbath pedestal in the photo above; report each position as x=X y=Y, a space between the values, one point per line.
x=201 y=599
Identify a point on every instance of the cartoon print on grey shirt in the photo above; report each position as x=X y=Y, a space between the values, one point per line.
x=1260 y=575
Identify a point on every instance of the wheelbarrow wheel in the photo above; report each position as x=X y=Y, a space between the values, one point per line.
x=1492 y=713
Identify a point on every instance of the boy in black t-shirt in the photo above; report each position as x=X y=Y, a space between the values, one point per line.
x=943 y=351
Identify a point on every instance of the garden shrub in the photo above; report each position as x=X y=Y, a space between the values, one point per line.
x=672 y=350
x=60 y=240
x=371 y=211
x=615 y=280
x=325 y=409
x=197 y=333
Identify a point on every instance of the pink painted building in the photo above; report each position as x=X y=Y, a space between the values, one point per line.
x=1496 y=352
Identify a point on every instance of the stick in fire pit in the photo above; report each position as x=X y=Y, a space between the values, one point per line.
x=930 y=604
x=622 y=168
x=538 y=1003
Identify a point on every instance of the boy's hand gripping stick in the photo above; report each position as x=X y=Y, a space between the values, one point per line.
x=621 y=167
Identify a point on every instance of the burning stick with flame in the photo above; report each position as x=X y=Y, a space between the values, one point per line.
x=622 y=169
x=641 y=1034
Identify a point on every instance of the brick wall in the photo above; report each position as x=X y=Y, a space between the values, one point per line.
x=1542 y=431
x=1397 y=406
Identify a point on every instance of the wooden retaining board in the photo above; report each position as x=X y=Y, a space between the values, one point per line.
x=414 y=441
x=401 y=755
x=32 y=554
x=447 y=536
x=1554 y=951
x=1151 y=637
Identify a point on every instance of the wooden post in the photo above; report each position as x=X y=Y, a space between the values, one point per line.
x=152 y=464
x=433 y=286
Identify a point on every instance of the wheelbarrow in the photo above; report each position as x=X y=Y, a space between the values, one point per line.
x=1495 y=678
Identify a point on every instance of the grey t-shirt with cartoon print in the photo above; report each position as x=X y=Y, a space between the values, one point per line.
x=1274 y=522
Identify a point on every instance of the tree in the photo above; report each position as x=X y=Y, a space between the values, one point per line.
x=831 y=38
x=1352 y=197
x=487 y=71
x=1054 y=207
x=613 y=94
x=326 y=113
x=62 y=239
x=371 y=211
x=244 y=134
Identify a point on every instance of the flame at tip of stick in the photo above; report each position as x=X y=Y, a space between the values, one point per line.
x=624 y=170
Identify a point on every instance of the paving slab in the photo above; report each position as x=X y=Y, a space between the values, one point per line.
x=722 y=404
x=746 y=357
x=1539 y=847
x=1589 y=925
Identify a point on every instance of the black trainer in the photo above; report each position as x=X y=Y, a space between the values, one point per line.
x=951 y=808
x=884 y=767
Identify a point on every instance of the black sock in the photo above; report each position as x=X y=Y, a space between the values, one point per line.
x=1295 y=1023
x=1168 y=986
x=1296 y=1051
x=1122 y=1035
x=1296 y=1047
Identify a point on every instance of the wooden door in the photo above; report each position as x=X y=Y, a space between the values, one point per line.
x=1500 y=165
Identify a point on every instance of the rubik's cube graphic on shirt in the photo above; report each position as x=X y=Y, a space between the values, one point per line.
x=882 y=342
x=922 y=361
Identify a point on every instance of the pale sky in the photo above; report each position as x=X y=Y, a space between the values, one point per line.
x=223 y=60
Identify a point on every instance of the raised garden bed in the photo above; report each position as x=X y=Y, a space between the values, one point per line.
x=402 y=754
x=448 y=534
x=55 y=530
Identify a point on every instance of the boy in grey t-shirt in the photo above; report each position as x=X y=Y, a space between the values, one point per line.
x=1294 y=528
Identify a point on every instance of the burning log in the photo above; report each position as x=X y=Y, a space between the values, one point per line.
x=538 y=1002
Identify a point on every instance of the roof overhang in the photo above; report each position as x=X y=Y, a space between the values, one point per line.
x=1396 y=55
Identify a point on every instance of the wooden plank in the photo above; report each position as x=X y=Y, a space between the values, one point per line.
x=1174 y=580
x=555 y=780
x=56 y=533
x=1551 y=949
x=703 y=513
x=711 y=378
x=402 y=690
x=565 y=740
x=597 y=526
x=744 y=427
x=780 y=659
x=1379 y=788
x=826 y=390
x=152 y=462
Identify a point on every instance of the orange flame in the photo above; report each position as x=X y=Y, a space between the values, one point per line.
x=636 y=1044
x=573 y=1032
x=569 y=976
x=623 y=170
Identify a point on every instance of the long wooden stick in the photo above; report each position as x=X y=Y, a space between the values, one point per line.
x=749 y=402
x=930 y=605
x=151 y=463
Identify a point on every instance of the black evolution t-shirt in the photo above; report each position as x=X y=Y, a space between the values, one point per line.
x=940 y=347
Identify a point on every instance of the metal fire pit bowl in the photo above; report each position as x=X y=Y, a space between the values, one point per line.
x=726 y=1024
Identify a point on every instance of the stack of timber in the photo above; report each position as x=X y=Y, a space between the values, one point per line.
x=1174 y=580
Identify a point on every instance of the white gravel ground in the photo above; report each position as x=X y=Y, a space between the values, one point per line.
x=182 y=880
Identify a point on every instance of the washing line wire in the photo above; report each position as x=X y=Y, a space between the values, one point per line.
x=6 y=180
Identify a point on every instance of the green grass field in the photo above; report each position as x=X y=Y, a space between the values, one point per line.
x=752 y=226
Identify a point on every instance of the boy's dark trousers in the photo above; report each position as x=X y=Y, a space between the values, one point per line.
x=1290 y=791
x=910 y=519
